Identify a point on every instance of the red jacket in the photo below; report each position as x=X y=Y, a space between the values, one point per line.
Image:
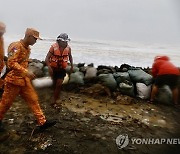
x=162 y=66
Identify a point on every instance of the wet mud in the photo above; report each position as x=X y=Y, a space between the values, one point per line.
x=90 y=124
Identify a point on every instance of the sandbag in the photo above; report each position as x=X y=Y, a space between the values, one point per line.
x=42 y=82
x=121 y=77
x=45 y=71
x=108 y=80
x=138 y=75
x=47 y=81
x=127 y=88
x=77 y=78
x=36 y=64
x=66 y=79
x=164 y=95
x=143 y=91
x=90 y=72
x=75 y=69
x=36 y=70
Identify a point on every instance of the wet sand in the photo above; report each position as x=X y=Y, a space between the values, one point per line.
x=88 y=124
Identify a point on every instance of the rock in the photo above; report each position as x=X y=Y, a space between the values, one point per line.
x=161 y=122
x=145 y=121
x=46 y=144
x=85 y=119
x=11 y=121
x=123 y=100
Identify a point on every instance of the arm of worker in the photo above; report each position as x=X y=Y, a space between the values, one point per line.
x=51 y=50
x=154 y=70
x=14 y=58
x=1 y=53
x=71 y=60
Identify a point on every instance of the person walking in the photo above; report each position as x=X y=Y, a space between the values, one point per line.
x=57 y=60
x=18 y=80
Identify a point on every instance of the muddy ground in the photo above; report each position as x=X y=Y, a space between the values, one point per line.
x=90 y=124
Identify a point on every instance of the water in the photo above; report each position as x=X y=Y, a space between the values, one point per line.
x=110 y=53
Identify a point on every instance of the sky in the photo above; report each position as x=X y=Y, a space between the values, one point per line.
x=121 y=20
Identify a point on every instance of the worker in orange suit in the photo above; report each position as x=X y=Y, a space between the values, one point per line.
x=2 y=64
x=18 y=80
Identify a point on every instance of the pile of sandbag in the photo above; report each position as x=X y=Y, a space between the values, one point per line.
x=128 y=80
x=143 y=82
x=134 y=82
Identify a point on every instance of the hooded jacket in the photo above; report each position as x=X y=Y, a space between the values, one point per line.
x=163 y=66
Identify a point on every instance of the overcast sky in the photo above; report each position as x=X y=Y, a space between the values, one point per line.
x=123 y=20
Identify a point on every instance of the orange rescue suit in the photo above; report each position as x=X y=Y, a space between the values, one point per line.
x=17 y=83
x=1 y=54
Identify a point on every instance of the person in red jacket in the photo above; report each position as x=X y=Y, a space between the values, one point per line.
x=165 y=73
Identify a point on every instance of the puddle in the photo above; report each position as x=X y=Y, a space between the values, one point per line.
x=109 y=111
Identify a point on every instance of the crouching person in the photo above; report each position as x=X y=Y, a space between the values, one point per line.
x=165 y=73
x=18 y=80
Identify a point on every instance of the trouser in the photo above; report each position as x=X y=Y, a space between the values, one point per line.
x=28 y=94
x=1 y=83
